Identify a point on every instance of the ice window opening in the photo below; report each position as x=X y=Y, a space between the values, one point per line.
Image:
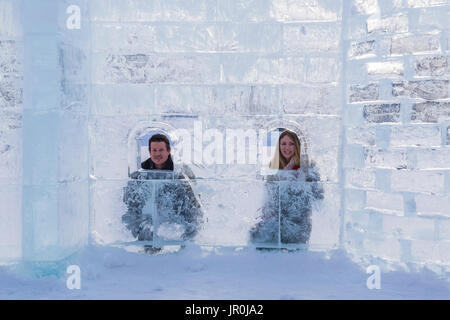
x=270 y=208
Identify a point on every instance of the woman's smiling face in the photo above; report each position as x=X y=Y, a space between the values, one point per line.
x=287 y=147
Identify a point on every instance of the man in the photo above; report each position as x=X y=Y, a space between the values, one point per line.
x=160 y=158
x=152 y=194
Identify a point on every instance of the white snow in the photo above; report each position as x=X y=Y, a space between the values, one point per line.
x=196 y=273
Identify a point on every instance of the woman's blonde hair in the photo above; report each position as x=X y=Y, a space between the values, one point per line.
x=278 y=161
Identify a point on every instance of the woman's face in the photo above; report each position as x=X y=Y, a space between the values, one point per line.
x=287 y=147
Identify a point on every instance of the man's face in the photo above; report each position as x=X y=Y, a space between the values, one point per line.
x=159 y=153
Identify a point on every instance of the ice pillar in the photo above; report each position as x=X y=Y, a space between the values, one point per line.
x=55 y=207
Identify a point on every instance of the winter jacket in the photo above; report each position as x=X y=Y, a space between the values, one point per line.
x=286 y=214
x=161 y=199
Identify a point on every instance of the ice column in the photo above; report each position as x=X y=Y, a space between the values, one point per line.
x=55 y=189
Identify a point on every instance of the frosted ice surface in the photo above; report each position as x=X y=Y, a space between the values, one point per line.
x=384 y=68
x=215 y=212
x=216 y=67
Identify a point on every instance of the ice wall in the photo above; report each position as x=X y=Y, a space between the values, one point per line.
x=11 y=103
x=396 y=158
x=215 y=65
x=365 y=82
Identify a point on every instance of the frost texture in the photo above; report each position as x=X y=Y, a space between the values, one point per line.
x=286 y=214
x=153 y=195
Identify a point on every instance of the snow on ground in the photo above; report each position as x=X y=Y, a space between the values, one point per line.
x=193 y=273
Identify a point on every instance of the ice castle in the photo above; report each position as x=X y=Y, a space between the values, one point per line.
x=365 y=84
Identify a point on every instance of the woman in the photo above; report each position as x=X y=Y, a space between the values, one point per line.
x=287 y=152
x=286 y=214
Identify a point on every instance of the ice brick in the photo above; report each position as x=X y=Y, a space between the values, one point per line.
x=380 y=113
x=430 y=111
x=311 y=100
x=323 y=70
x=385 y=69
x=245 y=100
x=425 y=3
x=425 y=89
x=431 y=19
x=387 y=248
x=253 y=69
x=243 y=10
x=218 y=100
x=415 y=135
x=186 y=99
x=354 y=156
x=433 y=205
x=355 y=199
x=311 y=38
x=386 y=158
x=397 y=23
x=314 y=10
x=415 y=44
x=443 y=227
x=123 y=38
x=186 y=38
x=364 y=7
x=363 y=49
x=432 y=66
x=151 y=68
x=117 y=99
x=434 y=158
x=417 y=181
x=153 y=10
x=361 y=135
x=385 y=202
x=410 y=228
x=360 y=178
x=244 y=37
x=364 y=92
x=431 y=251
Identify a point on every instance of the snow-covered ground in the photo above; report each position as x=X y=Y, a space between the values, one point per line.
x=193 y=273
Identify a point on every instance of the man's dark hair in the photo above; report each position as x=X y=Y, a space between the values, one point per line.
x=159 y=138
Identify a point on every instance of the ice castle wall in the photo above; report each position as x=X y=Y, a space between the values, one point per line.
x=220 y=65
x=366 y=81
x=396 y=159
